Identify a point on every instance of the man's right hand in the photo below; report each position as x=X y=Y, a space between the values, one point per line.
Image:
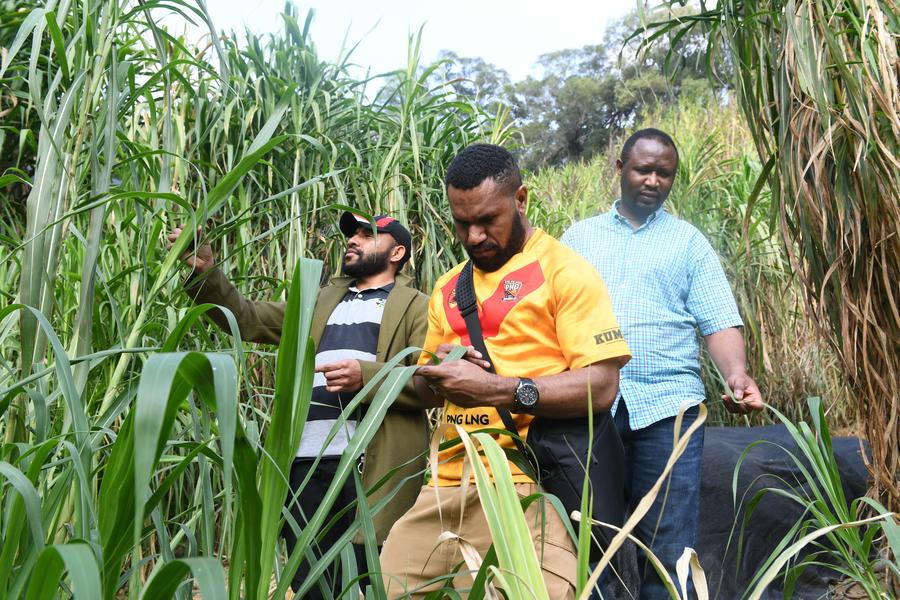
x=200 y=259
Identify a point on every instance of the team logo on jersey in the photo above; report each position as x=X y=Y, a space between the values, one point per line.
x=511 y=289
x=493 y=310
x=380 y=302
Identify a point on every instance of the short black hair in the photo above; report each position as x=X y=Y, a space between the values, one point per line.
x=648 y=134
x=483 y=161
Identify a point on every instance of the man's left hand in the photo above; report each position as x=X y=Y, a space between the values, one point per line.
x=461 y=382
x=472 y=355
x=747 y=397
x=342 y=376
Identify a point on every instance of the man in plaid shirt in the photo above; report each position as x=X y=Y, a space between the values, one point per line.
x=666 y=284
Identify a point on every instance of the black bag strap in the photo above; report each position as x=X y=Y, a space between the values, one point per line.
x=468 y=307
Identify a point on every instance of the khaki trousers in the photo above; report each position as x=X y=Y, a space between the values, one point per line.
x=413 y=563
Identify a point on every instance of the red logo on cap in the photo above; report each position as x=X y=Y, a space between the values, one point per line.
x=384 y=221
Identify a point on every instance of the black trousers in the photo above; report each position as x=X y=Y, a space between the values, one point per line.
x=304 y=508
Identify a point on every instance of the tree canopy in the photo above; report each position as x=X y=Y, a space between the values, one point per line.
x=584 y=97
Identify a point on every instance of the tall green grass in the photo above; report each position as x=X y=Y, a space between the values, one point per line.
x=140 y=447
x=144 y=453
x=832 y=530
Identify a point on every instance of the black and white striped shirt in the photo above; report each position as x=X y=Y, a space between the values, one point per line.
x=351 y=332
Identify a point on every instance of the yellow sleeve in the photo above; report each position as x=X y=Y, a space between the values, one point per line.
x=585 y=324
x=436 y=326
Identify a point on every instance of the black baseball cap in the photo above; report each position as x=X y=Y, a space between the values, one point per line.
x=350 y=222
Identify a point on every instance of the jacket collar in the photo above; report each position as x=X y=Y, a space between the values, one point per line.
x=398 y=300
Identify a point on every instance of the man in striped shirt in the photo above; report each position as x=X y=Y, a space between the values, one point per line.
x=666 y=285
x=360 y=321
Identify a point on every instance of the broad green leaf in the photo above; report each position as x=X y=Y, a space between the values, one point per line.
x=78 y=560
x=207 y=573
x=25 y=30
x=31 y=499
x=58 y=44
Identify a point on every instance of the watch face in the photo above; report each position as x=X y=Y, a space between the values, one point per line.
x=527 y=394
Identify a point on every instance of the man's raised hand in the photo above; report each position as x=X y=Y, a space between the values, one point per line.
x=200 y=259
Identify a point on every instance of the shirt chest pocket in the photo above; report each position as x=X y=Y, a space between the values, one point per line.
x=659 y=275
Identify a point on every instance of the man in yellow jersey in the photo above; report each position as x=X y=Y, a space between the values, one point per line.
x=550 y=332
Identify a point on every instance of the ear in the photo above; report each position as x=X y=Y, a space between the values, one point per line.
x=619 y=165
x=522 y=200
x=397 y=253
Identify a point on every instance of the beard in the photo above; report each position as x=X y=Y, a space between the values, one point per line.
x=368 y=265
x=513 y=246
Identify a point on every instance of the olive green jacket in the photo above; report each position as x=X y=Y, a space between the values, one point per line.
x=403 y=435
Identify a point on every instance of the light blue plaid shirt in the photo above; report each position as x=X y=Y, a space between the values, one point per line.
x=665 y=282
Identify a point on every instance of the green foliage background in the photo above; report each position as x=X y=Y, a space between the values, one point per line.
x=115 y=131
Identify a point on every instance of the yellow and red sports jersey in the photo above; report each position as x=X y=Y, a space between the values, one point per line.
x=544 y=312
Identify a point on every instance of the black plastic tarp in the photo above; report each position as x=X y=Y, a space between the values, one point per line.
x=767 y=465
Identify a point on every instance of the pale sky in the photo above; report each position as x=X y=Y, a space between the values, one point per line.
x=506 y=33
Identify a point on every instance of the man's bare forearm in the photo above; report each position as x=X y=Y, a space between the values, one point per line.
x=563 y=395
x=726 y=347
